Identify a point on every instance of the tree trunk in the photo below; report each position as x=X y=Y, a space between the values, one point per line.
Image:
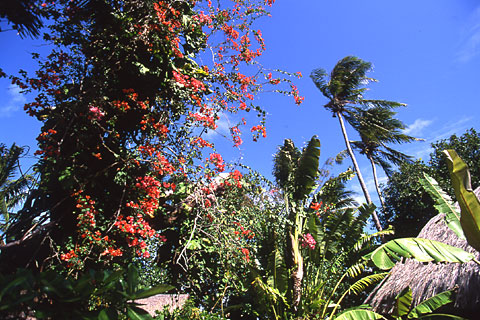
x=357 y=169
x=297 y=274
x=374 y=170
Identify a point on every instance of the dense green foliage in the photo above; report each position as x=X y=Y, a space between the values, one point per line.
x=408 y=205
x=131 y=194
x=104 y=294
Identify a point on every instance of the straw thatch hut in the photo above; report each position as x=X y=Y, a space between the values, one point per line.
x=161 y=301
x=428 y=279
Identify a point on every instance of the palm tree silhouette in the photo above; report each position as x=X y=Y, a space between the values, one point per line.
x=12 y=191
x=345 y=88
x=377 y=128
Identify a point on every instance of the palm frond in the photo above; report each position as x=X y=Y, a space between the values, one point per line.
x=380 y=103
x=367 y=281
x=369 y=238
x=319 y=78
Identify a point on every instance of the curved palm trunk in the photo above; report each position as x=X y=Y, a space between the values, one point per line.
x=357 y=169
x=374 y=170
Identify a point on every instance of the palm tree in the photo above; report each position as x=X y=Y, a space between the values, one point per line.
x=344 y=89
x=377 y=127
x=12 y=191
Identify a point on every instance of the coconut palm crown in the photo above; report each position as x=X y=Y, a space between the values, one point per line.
x=12 y=191
x=378 y=128
x=345 y=88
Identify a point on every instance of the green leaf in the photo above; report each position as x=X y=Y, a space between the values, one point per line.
x=362 y=284
x=145 y=293
x=358 y=314
x=437 y=316
x=141 y=68
x=469 y=204
x=281 y=273
x=132 y=279
x=307 y=170
x=194 y=245
x=443 y=204
x=135 y=313
x=432 y=304
x=423 y=250
x=403 y=302
x=108 y=314
x=314 y=227
x=19 y=279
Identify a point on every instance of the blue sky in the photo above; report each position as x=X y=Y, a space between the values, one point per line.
x=425 y=54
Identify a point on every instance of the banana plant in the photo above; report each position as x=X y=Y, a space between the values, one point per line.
x=423 y=250
x=443 y=204
x=308 y=275
x=300 y=184
x=468 y=201
x=403 y=306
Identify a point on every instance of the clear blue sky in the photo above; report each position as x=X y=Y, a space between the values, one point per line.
x=425 y=53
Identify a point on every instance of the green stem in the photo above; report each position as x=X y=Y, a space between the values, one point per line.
x=331 y=295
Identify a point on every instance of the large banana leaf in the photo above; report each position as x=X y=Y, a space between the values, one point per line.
x=423 y=250
x=307 y=170
x=145 y=293
x=432 y=304
x=358 y=314
x=403 y=302
x=135 y=313
x=279 y=278
x=443 y=204
x=470 y=217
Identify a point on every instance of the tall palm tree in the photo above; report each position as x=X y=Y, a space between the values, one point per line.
x=12 y=191
x=377 y=128
x=344 y=89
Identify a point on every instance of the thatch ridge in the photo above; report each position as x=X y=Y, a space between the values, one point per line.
x=428 y=279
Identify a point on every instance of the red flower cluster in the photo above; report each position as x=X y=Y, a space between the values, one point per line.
x=247 y=234
x=188 y=82
x=207 y=120
x=316 y=206
x=246 y=254
x=259 y=130
x=49 y=146
x=308 y=241
x=112 y=252
x=234 y=178
x=96 y=113
x=169 y=17
x=296 y=96
x=152 y=188
x=217 y=160
x=201 y=142
x=135 y=229
x=69 y=255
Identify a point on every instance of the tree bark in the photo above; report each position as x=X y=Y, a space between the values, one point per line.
x=357 y=169
x=374 y=170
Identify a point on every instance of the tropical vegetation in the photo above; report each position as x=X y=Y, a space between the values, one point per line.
x=130 y=197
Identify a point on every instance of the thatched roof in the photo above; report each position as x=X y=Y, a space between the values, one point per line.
x=428 y=279
x=161 y=301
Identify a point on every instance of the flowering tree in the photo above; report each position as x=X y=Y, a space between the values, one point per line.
x=126 y=98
